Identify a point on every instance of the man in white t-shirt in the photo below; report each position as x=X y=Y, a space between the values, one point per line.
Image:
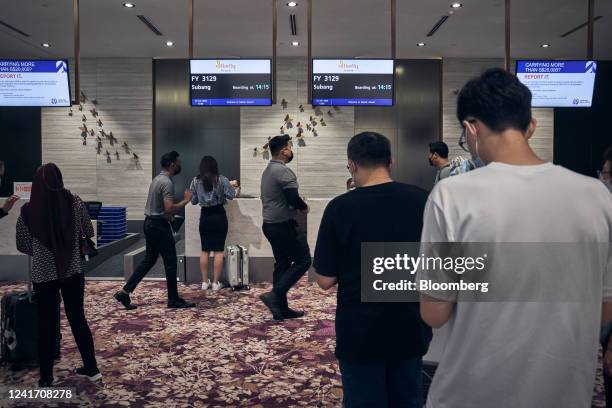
x=516 y=354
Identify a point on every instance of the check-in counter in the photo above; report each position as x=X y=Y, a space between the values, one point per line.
x=245 y=221
x=13 y=264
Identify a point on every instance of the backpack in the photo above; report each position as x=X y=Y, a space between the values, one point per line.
x=460 y=165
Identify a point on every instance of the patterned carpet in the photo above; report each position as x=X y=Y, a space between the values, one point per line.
x=226 y=352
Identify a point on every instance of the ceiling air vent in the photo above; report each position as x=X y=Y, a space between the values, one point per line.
x=15 y=29
x=293 y=24
x=578 y=27
x=149 y=24
x=437 y=26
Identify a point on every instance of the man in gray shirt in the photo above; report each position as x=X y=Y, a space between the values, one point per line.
x=158 y=233
x=438 y=157
x=280 y=202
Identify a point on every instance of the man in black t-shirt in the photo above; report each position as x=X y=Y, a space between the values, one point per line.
x=379 y=345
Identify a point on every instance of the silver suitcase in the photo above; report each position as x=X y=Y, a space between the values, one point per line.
x=237 y=267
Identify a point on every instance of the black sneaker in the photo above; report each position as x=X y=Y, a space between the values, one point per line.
x=273 y=304
x=92 y=374
x=124 y=299
x=180 y=304
x=289 y=313
x=45 y=383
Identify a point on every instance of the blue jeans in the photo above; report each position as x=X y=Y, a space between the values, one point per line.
x=372 y=385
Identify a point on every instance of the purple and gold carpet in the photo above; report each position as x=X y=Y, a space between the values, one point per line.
x=225 y=352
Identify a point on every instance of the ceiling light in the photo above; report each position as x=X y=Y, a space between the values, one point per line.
x=456 y=5
x=129 y=5
x=46 y=45
x=295 y=43
x=421 y=44
x=292 y=4
x=545 y=45
x=169 y=43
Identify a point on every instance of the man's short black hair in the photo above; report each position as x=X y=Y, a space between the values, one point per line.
x=278 y=143
x=498 y=99
x=369 y=149
x=169 y=158
x=607 y=154
x=439 y=148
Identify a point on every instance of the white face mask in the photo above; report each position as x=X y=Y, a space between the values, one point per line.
x=475 y=156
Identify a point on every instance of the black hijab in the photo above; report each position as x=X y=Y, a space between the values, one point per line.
x=50 y=215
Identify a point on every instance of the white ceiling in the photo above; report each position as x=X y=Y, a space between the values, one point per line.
x=225 y=28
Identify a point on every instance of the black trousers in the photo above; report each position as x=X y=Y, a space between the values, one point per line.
x=291 y=255
x=159 y=241
x=48 y=299
x=606 y=377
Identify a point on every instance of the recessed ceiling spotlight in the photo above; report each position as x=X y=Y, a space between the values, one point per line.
x=456 y=5
x=295 y=43
x=421 y=44
x=292 y=4
x=46 y=45
x=170 y=43
x=545 y=45
x=129 y=5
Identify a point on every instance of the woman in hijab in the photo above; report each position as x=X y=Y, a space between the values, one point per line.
x=49 y=229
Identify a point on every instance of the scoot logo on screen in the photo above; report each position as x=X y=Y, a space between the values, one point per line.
x=225 y=67
x=353 y=66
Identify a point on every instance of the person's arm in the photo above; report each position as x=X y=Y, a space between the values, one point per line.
x=293 y=198
x=289 y=185
x=8 y=205
x=326 y=252
x=434 y=311
x=194 y=191
x=86 y=225
x=170 y=207
x=23 y=238
x=228 y=191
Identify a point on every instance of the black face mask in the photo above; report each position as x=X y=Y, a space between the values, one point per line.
x=430 y=162
x=290 y=158
x=178 y=170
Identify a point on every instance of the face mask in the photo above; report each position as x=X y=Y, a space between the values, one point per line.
x=290 y=158
x=430 y=162
x=178 y=170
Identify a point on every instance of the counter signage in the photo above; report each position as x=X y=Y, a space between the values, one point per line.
x=22 y=189
x=352 y=82
x=34 y=83
x=558 y=83
x=230 y=82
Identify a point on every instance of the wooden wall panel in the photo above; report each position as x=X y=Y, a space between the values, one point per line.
x=123 y=89
x=456 y=72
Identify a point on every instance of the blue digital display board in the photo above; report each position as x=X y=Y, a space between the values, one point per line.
x=34 y=83
x=558 y=83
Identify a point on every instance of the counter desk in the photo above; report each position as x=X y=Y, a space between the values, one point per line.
x=245 y=221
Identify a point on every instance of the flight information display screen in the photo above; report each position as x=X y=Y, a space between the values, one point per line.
x=352 y=82
x=556 y=84
x=34 y=83
x=231 y=82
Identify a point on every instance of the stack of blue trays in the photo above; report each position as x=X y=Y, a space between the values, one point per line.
x=113 y=224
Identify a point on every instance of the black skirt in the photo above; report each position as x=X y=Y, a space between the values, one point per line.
x=213 y=228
